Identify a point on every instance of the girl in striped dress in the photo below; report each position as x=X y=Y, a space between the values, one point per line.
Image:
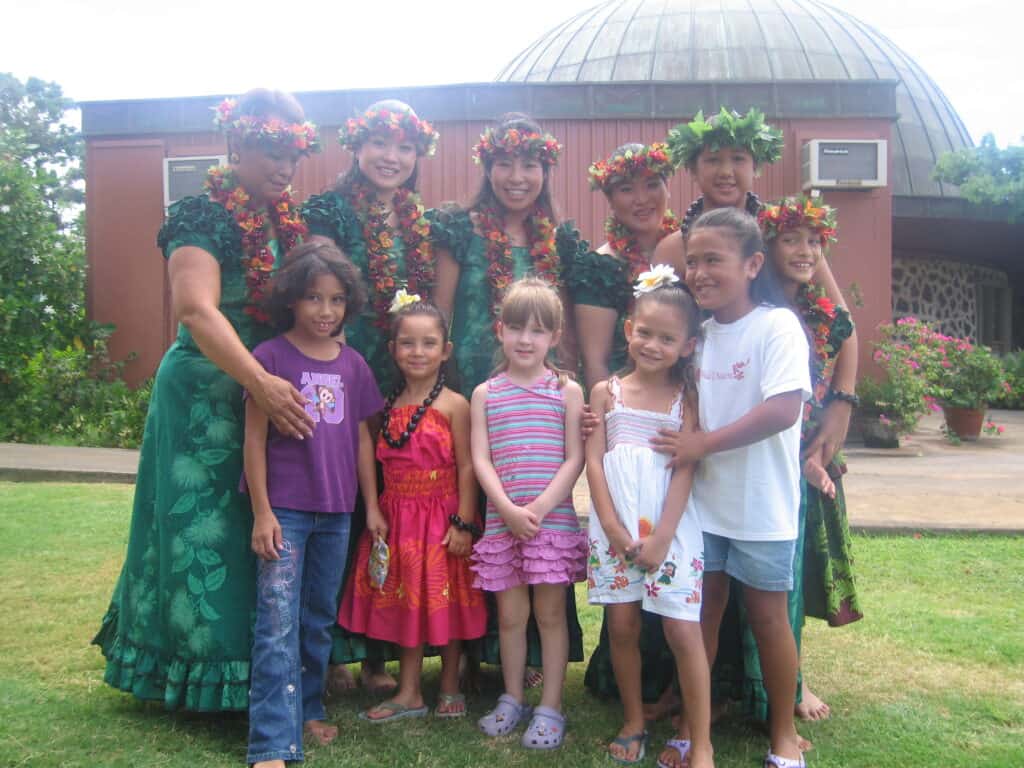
x=528 y=453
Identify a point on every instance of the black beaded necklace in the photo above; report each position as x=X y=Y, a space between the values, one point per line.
x=752 y=205
x=414 y=420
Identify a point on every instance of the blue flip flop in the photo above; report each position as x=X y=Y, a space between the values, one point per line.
x=398 y=712
x=628 y=741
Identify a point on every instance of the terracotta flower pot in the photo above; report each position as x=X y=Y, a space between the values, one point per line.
x=965 y=423
x=876 y=434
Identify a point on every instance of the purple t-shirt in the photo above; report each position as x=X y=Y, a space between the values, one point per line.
x=318 y=474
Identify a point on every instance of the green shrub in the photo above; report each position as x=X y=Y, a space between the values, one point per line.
x=1011 y=394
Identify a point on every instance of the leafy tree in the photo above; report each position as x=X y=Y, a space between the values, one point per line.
x=33 y=133
x=987 y=174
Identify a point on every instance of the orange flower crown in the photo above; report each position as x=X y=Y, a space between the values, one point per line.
x=402 y=126
x=249 y=128
x=795 y=212
x=651 y=159
x=544 y=147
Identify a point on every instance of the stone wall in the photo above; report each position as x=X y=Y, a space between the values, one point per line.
x=942 y=293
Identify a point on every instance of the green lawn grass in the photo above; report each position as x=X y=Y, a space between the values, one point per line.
x=933 y=676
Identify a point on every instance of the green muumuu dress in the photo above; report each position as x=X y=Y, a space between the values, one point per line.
x=476 y=347
x=179 y=626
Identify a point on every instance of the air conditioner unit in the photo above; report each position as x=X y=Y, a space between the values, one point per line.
x=184 y=176
x=844 y=163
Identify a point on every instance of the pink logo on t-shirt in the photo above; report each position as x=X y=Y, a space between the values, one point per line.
x=737 y=373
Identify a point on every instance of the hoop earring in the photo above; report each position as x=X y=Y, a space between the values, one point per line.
x=233 y=158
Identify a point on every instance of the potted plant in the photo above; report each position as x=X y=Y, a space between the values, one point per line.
x=889 y=409
x=960 y=375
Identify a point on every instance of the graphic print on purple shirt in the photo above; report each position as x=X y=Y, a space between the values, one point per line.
x=318 y=474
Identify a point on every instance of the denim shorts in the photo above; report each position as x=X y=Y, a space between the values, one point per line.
x=764 y=565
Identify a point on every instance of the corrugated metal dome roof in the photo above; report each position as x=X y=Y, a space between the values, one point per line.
x=750 y=41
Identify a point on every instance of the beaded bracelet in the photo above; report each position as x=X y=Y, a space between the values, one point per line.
x=462 y=525
x=843 y=397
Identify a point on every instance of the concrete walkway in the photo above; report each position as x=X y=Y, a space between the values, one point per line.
x=926 y=484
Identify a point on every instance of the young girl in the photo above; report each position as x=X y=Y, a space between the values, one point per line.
x=753 y=381
x=303 y=492
x=427 y=515
x=375 y=215
x=646 y=545
x=528 y=454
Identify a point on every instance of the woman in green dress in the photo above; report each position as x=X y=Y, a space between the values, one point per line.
x=179 y=626
x=600 y=284
x=509 y=230
x=375 y=216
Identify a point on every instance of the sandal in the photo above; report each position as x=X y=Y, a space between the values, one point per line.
x=682 y=746
x=454 y=703
x=397 y=712
x=628 y=741
x=546 y=729
x=774 y=761
x=505 y=716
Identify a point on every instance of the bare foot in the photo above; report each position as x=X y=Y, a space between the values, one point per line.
x=811 y=707
x=269 y=764
x=320 y=732
x=667 y=705
x=719 y=709
x=376 y=680
x=806 y=745
x=339 y=680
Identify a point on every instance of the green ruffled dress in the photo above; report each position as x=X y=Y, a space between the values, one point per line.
x=179 y=626
x=331 y=215
x=603 y=280
x=476 y=348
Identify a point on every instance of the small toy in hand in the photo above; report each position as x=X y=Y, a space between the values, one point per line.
x=377 y=567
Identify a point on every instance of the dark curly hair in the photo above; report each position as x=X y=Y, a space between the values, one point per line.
x=304 y=264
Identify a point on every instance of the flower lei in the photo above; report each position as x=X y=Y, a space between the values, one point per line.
x=624 y=243
x=795 y=212
x=249 y=128
x=499 y=253
x=653 y=159
x=258 y=259
x=400 y=125
x=544 y=147
x=726 y=129
x=752 y=206
x=818 y=313
x=414 y=230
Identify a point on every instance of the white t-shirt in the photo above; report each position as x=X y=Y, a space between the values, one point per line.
x=751 y=493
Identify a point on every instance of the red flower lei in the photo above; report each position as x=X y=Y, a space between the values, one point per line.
x=258 y=259
x=500 y=267
x=414 y=229
x=624 y=243
x=818 y=313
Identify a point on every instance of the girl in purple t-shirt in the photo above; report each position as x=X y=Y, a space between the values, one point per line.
x=303 y=493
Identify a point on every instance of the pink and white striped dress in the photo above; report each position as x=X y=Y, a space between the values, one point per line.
x=526 y=432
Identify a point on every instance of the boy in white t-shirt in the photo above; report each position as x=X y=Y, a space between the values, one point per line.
x=753 y=379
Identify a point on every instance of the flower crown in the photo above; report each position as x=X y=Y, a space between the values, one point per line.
x=651 y=159
x=404 y=125
x=513 y=141
x=249 y=128
x=794 y=212
x=726 y=129
x=658 y=276
x=402 y=300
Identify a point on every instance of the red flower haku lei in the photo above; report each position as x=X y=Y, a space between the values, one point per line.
x=624 y=243
x=500 y=266
x=653 y=159
x=300 y=136
x=399 y=125
x=258 y=259
x=795 y=212
x=543 y=147
x=414 y=229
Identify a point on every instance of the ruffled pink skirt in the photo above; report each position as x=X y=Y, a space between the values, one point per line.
x=502 y=561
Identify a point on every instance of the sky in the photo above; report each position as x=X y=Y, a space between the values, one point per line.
x=125 y=49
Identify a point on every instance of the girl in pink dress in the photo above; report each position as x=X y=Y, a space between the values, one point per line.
x=426 y=514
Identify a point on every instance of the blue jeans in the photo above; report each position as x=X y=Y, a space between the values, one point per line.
x=296 y=605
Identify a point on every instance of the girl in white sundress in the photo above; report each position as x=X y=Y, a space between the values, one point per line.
x=645 y=539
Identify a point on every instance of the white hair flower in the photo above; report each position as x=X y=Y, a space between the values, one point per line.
x=658 y=276
x=403 y=299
